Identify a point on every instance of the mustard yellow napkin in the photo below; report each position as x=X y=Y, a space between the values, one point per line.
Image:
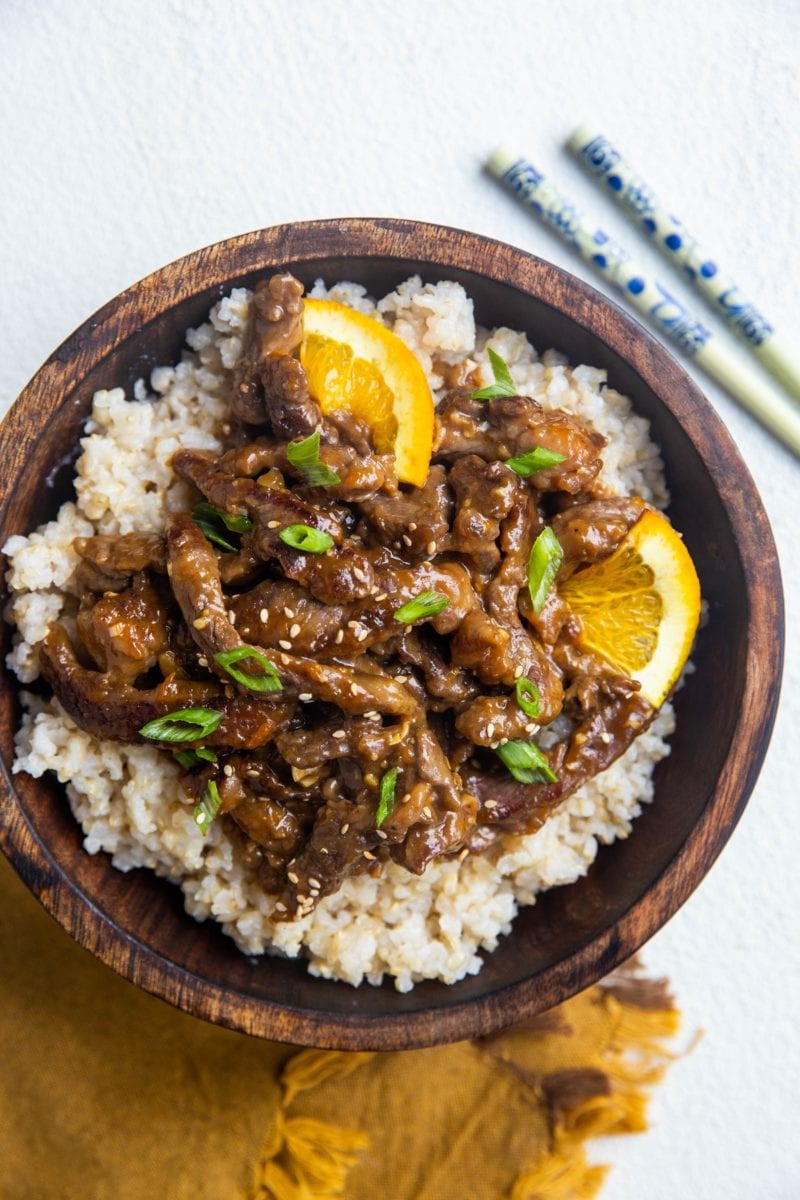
x=107 y=1092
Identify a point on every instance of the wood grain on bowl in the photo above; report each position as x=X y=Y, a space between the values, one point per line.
x=573 y=935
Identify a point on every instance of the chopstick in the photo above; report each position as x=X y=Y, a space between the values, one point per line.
x=769 y=406
x=605 y=163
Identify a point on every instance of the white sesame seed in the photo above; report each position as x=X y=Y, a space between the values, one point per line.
x=412 y=525
x=294 y=631
x=305 y=697
x=503 y=741
x=338 y=733
x=200 y=622
x=290 y=875
x=381 y=834
x=605 y=737
x=263 y=616
x=284 y=660
x=360 y=575
x=231 y=616
x=227 y=770
x=371 y=857
x=531 y=727
x=339 y=637
x=361 y=633
x=427 y=812
x=280 y=907
x=493 y=745
x=202 y=660
x=373 y=591
x=355 y=690
x=490 y=804
x=463 y=854
x=352 y=624
x=288 y=612
x=284 y=645
x=273 y=524
x=406 y=540
x=345 y=827
x=518 y=672
x=315 y=883
x=380 y=596
x=490 y=730
x=430 y=548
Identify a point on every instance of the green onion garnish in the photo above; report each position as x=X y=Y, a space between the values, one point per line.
x=185 y=725
x=526 y=762
x=546 y=557
x=304 y=456
x=303 y=537
x=503 y=383
x=528 y=696
x=269 y=681
x=208 y=808
x=426 y=604
x=193 y=758
x=386 y=801
x=213 y=522
x=534 y=460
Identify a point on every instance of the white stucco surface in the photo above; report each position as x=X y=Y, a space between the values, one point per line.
x=134 y=133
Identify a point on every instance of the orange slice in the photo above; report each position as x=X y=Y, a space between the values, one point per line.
x=357 y=365
x=640 y=607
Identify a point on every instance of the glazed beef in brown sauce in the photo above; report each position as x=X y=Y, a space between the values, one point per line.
x=358 y=694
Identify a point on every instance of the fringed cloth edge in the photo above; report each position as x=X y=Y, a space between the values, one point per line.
x=305 y=1158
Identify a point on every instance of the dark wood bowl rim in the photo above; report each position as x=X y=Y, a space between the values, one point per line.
x=443 y=247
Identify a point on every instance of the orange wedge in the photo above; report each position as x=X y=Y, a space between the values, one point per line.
x=640 y=607
x=357 y=365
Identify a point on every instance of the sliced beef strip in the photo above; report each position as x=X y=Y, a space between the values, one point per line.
x=592 y=530
x=414 y=523
x=107 y=708
x=492 y=719
x=126 y=632
x=108 y=563
x=361 y=475
x=484 y=493
x=512 y=425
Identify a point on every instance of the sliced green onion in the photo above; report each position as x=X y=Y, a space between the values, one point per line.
x=426 y=604
x=503 y=383
x=526 y=762
x=269 y=681
x=528 y=696
x=304 y=456
x=546 y=557
x=208 y=808
x=303 y=537
x=386 y=797
x=185 y=725
x=213 y=523
x=537 y=459
x=194 y=758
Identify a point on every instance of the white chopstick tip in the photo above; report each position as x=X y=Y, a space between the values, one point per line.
x=581 y=137
x=500 y=161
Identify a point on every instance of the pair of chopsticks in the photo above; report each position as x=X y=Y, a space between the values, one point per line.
x=774 y=409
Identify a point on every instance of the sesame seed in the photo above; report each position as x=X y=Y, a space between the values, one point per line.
x=372 y=715
x=380 y=833
x=371 y=857
x=406 y=540
x=412 y=525
x=252 y=771
x=401 y=678
x=288 y=612
x=493 y=745
x=200 y=622
x=373 y=591
x=361 y=633
x=503 y=741
x=338 y=733
x=339 y=637
x=430 y=548
x=169 y=572
x=227 y=770
x=294 y=631
x=360 y=575
x=426 y=812
x=490 y=730
x=605 y=738
x=280 y=907
x=284 y=645
x=290 y=875
x=490 y=804
x=531 y=727
x=324 y=850
x=202 y=661
x=379 y=596
x=345 y=827
x=231 y=616
x=305 y=697
x=314 y=883
x=284 y=660
x=352 y=624
x=463 y=854
x=518 y=672
x=273 y=524
x=263 y=616
x=355 y=690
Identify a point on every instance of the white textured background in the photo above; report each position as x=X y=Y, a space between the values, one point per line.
x=133 y=133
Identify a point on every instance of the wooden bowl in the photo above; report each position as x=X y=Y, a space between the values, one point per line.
x=574 y=935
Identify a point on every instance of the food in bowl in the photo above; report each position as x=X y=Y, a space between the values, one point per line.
x=362 y=677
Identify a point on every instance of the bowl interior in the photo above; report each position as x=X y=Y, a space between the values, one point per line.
x=148 y=913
